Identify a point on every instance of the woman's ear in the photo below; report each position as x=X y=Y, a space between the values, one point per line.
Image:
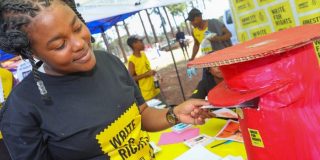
x=35 y=55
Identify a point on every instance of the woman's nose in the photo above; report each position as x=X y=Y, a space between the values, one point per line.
x=77 y=43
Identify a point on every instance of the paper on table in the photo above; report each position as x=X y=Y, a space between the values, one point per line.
x=173 y=137
x=198 y=153
x=232 y=158
x=230 y=131
x=199 y=140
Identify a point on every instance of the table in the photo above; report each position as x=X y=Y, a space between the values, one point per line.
x=211 y=128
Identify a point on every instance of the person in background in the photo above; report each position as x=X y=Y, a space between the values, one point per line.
x=7 y=82
x=206 y=84
x=140 y=69
x=201 y=32
x=180 y=37
x=82 y=104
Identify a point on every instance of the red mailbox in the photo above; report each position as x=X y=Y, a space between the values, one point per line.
x=282 y=71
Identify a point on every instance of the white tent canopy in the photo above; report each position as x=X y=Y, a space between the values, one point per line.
x=99 y=9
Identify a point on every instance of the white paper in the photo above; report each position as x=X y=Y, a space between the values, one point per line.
x=226 y=113
x=229 y=157
x=199 y=140
x=23 y=70
x=198 y=153
x=153 y=102
x=1 y=92
x=160 y=106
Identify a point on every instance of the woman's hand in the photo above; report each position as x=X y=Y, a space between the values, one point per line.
x=151 y=73
x=190 y=112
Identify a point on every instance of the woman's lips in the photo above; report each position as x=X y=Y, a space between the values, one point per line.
x=84 y=57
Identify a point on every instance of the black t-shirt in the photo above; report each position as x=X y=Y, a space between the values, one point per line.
x=94 y=115
x=204 y=86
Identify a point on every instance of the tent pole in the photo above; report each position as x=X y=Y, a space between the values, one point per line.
x=152 y=27
x=175 y=21
x=104 y=36
x=126 y=27
x=170 y=48
x=121 y=45
x=165 y=11
x=105 y=40
x=144 y=28
x=198 y=4
x=187 y=25
x=204 y=4
x=192 y=4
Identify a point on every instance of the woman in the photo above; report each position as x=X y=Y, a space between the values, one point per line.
x=207 y=83
x=78 y=104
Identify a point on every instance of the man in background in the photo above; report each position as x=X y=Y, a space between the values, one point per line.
x=204 y=27
x=180 y=37
x=211 y=30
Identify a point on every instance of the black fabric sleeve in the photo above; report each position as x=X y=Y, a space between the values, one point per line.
x=204 y=86
x=21 y=132
x=200 y=91
x=137 y=93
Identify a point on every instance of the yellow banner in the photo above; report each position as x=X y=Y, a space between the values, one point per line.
x=243 y=36
x=260 y=31
x=243 y=5
x=264 y=2
x=317 y=49
x=307 y=5
x=310 y=19
x=282 y=16
x=253 y=19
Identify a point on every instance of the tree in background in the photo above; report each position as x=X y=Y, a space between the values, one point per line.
x=98 y=45
x=178 y=10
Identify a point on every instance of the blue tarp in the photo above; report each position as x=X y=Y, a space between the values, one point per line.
x=99 y=26
x=5 y=56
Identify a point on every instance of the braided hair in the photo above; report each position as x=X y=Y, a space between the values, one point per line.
x=14 y=16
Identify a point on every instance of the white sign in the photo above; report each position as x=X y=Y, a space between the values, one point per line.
x=23 y=70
